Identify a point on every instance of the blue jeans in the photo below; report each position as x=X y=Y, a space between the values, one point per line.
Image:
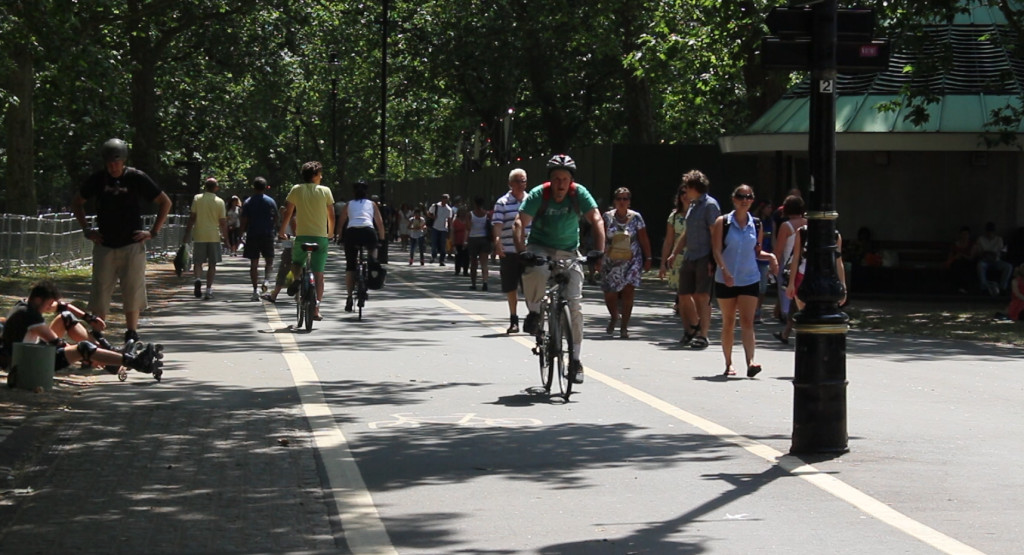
x=438 y=243
x=414 y=243
x=1004 y=267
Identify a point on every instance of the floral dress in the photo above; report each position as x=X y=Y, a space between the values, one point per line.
x=616 y=274
x=677 y=221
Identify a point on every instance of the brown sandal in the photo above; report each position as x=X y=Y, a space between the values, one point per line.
x=611 y=326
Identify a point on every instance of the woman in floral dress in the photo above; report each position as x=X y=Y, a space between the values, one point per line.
x=627 y=255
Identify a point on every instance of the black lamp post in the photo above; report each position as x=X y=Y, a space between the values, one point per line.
x=382 y=252
x=819 y=408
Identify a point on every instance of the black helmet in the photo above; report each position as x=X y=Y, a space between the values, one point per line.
x=562 y=162
x=114 y=150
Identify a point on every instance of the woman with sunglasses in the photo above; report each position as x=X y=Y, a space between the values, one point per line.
x=736 y=240
x=627 y=255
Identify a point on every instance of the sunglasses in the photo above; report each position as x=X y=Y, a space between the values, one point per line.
x=621 y=198
x=743 y=197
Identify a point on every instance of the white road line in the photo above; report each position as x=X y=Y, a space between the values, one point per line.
x=364 y=531
x=827 y=483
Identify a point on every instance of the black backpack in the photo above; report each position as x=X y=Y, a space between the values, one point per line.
x=376 y=274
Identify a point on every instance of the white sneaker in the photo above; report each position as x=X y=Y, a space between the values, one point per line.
x=264 y=287
x=255 y=296
x=208 y=295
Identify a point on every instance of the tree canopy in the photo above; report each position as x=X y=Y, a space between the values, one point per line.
x=256 y=88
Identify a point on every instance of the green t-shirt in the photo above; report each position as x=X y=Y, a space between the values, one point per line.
x=559 y=226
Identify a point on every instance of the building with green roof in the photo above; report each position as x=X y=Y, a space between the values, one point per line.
x=904 y=179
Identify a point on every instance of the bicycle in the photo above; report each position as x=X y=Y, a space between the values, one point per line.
x=362 y=271
x=305 y=296
x=554 y=331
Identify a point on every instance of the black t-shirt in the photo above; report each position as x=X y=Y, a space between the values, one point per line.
x=119 y=203
x=21 y=318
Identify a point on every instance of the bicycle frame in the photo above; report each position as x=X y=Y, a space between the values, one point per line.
x=306 y=296
x=554 y=334
x=361 y=292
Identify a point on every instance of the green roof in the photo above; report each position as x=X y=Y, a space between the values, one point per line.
x=984 y=76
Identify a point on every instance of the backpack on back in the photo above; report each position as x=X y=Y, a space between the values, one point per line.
x=621 y=241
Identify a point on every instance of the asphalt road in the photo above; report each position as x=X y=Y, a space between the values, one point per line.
x=419 y=430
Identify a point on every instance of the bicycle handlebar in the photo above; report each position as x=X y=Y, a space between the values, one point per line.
x=533 y=259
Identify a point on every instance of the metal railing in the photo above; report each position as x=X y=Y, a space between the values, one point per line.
x=57 y=241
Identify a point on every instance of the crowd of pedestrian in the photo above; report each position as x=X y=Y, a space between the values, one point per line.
x=707 y=255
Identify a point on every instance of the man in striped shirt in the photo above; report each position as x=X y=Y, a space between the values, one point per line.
x=504 y=215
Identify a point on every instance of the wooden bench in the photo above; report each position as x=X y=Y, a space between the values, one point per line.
x=909 y=267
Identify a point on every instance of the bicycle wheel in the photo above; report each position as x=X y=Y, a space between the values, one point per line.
x=543 y=353
x=300 y=307
x=310 y=302
x=361 y=293
x=561 y=342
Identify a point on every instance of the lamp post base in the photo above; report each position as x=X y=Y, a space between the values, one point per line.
x=819 y=393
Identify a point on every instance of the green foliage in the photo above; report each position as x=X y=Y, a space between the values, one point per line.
x=249 y=88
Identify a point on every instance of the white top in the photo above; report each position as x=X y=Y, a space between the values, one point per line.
x=442 y=215
x=787 y=249
x=992 y=244
x=417 y=227
x=360 y=213
x=505 y=211
x=478 y=225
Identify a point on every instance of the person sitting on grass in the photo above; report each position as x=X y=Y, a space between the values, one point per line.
x=26 y=323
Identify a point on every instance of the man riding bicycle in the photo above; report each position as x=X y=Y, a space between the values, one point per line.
x=552 y=211
x=313 y=207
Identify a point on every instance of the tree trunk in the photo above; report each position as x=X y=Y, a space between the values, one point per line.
x=639 y=114
x=145 y=144
x=21 y=189
x=637 y=98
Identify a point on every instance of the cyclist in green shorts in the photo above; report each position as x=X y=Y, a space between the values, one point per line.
x=313 y=207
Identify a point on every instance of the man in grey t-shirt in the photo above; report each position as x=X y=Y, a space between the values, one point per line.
x=696 y=275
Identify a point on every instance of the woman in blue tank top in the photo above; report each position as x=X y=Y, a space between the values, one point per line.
x=736 y=240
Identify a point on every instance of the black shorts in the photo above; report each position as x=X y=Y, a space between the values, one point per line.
x=511 y=271
x=723 y=291
x=478 y=246
x=257 y=246
x=61 y=362
x=354 y=238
